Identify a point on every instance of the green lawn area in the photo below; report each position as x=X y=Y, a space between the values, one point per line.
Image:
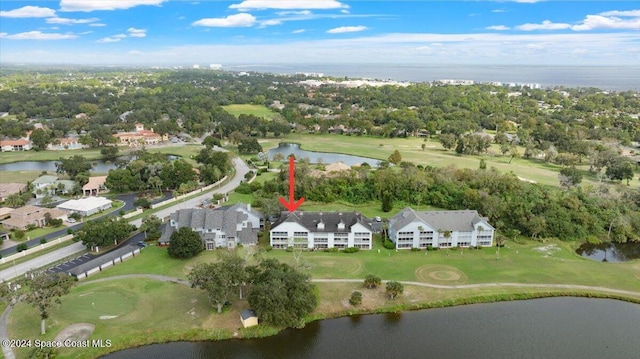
x=19 y=176
x=249 y=109
x=433 y=155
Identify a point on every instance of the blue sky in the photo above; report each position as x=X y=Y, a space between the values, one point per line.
x=165 y=32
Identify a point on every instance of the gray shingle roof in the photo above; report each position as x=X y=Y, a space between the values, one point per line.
x=310 y=220
x=462 y=221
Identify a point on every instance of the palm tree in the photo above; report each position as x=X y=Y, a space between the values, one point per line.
x=372 y=281
x=394 y=289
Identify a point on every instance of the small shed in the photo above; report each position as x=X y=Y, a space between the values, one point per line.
x=249 y=318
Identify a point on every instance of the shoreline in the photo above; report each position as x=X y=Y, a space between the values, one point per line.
x=203 y=335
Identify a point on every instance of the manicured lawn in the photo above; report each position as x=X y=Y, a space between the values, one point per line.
x=433 y=155
x=249 y=109
x=19 y=176
x=8 y=157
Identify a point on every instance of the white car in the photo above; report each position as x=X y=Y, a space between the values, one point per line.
x=71 y=220
x=378 y=219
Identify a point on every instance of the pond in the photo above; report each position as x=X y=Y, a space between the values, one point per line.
x=541 y=328
x=319 y=157
x=610 y=252
x=99 y=166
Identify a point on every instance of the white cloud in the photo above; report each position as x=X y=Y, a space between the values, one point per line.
x=497 y=27
x=29 y=11
x=603 y=22
x=66 y=21
x=110 y=39
x=3 y=34
x=237 y=20
x=344 y=11
x=97 y=24
x=301 y=12
x=247 y=5
x=270 y=22
x=621 y=13
x=343 y=29
x=133 y=32
x=39 y=35
x=93 y=5
x=545 y=25
x=498 y=10
x=299 y=31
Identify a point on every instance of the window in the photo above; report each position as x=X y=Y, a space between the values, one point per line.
x=300 y=234
x=279 y=234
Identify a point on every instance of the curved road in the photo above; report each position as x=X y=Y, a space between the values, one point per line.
x=241 y=169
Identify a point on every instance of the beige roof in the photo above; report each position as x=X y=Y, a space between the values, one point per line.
x=14 y=142
x=7 y=189
x=337 y=167
x=5 y=211
x=26 y=210
x=95 y=182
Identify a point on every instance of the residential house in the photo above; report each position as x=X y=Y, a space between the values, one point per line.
x=140 y=136
x=225 y=226
x=440 y=229
x=5 y=212
x=318 y=230
x=44 y=185
x=15 y=145
x=7 y=189
x=22 y=217
x=4 y=236
x=95 y=186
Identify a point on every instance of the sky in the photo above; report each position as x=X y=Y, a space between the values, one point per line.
x=167 y=32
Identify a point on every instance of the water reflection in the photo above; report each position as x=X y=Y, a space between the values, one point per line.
x=286 y=149
x=610 y=252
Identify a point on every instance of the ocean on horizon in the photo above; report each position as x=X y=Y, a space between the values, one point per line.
x=609 y=78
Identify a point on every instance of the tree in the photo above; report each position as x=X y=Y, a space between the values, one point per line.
x=387 y=201
x=483 y=164
x=356 y=298
x=211 y=141
x=249 y=145
x=448 y=140
x=103 y=232
x=395 y=157
x=621 y=168
x=109 y=152
x=212 y=278
x=372 y=281
x=570 y=176
x=40 y=139
x=185 y=243
x=394 y=289
x=73 y=166
x=150 y=226
x=282 y=296
x=44 y=289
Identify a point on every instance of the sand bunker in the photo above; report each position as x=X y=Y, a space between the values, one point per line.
x=77 y=331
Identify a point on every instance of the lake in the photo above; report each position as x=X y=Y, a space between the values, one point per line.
x=287 y=149
x=610 y=252
x=99 y=166
x=541 y=328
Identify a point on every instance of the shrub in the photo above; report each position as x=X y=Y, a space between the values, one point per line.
x=356 y=298
x=414 y=249
x=142 y=202
x=21 y=247
x=388 y=244
x=255 y=186
x=269 y=248
x=18 y=234
x=69 y=230
x=351 y=250
x=289 y=249
x=43 y=240
x=244 y=188
x=331 y=250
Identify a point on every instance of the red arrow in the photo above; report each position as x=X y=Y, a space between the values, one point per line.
x=292 y=205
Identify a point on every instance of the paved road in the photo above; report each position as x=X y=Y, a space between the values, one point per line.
x=127 y=198
x=42 y=261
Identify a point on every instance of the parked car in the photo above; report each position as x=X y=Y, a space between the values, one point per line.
x=141 y=244
x=71 y=220
x=378 y=219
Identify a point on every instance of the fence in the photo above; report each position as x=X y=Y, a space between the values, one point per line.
x=182 y=196
x=105 y=261
x=36 y=248
x=134 y=213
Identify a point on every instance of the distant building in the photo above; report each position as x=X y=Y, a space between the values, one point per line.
x=86 y=206
x=439 y=229
x=321 y=230
x=248 y=318
x=15 y=145
x=225 y=226
x=140 y=137
x=43 y=185
x=7 y=189
x=66 y=144
x=22 y=217
x=95 y=186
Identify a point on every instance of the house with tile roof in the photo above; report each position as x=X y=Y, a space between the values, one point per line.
x=224 y=227
x=7 y=189
x=440 y=229
x=319 y=230
x=140 y=136
x=15 y=145
x=27 y=215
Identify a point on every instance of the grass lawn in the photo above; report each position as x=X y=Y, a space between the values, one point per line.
x=134 y=311
x=433 y=155
x=19 y=176
x=249 y=109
